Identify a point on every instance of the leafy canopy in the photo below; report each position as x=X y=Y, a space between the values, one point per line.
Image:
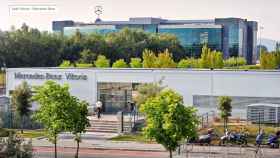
x=135 y=63
x=87 y=56
x=120 y=64
x=224 y=106
x=102 y=62
x=21 y=99
x=168 y=120
x=149 y=59
x=56 y=107
x=146 y=91
x=78 y=121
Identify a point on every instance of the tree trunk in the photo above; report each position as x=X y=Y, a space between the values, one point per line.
x=224 y=125
x=170 y=153
x=55 y=149
x=21 y=126
x=77 y=151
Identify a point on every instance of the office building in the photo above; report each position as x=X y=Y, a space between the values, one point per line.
x=232 y=36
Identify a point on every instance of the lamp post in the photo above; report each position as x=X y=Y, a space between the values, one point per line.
x=260 y=49
x=259 y=121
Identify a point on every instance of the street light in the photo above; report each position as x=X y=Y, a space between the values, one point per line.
x=260 y=44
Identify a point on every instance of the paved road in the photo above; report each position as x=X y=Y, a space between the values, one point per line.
x=47 y=152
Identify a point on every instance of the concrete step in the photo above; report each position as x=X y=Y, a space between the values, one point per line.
x=102 y=130
x=107 y=126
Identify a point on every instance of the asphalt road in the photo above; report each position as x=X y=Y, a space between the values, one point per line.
x=46 y=152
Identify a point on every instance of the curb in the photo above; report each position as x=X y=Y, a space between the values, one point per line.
x=103 y=148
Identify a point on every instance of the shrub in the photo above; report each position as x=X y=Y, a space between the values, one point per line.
x=15 y=146
x=119 y=64
x=189 y=63
x=65 y=63
x=135 y=63
x=235 y=62
x=102 y=62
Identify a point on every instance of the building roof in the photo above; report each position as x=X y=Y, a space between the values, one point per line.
x=264 y=104
x=150 y=20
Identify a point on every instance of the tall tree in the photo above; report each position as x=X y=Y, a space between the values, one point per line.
x=146 y=91
x=205 y=62
x=149 y=59
x=169 y=121
x=56 y=105
x=217 y=60
x=268 y=60
x=78 y=122
x=224 y=106
x=87 y=56
x=165 y=60
x=21 y=100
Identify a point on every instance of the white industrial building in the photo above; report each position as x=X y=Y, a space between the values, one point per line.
x=115 y=87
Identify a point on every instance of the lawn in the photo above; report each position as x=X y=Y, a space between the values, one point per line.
x=132 y=137
x=32 y=133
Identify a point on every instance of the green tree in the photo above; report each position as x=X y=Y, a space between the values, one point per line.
x=87 y=56
x=161 y=42
x=268 y=60
x=168 y=120
x=135 y=63
x=235 y=62
x=205 y=57
x=119 y=64
x=23 y=47
x=78 y=121
x=56 y=105
x=21 y=100
x=149 y=59
x=277 y=47
x=146 y=91
x=65 y=64
x=165 y=60
x=217 y=60
x=224 y=105
x=184 y=63
x=277 y=56
x=102 y=62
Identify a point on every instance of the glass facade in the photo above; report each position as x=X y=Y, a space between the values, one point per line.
x=233 y=39
x=69 y=31
x=232 y=36
x=146 y=27
x=115 y=96
x=196 y=36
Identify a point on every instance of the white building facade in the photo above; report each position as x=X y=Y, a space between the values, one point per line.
x=200 y=88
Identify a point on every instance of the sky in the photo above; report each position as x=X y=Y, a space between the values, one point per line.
x=265 y=12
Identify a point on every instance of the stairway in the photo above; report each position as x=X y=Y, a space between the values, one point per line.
x=106 y=126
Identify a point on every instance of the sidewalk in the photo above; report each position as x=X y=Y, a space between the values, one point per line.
x=99 y=144
x=100 y=141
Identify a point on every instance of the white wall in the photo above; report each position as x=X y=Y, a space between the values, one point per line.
x=186 y=82
x=83 y=89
